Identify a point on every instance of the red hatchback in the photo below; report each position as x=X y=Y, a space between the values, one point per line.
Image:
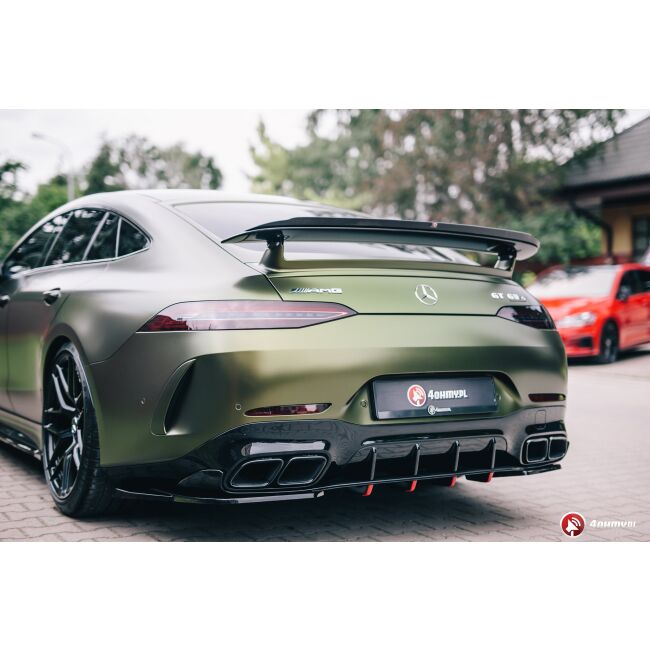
x=598 y=310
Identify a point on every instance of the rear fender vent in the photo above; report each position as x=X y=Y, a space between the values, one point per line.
x=180 y=385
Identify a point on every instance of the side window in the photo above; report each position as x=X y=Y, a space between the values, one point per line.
x=72 y=242
x=131 y=239
x=105 y=244
x=628 y=284
x=31 y=251
x=644 y=277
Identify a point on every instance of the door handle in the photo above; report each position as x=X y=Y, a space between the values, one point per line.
x=51 y=296
x=4 y=300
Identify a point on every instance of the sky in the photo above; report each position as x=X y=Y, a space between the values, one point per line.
x=224 y=134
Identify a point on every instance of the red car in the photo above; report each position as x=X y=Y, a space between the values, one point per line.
x=598 y=310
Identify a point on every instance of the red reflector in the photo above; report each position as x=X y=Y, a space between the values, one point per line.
x=368 y=491
x=412 y=487
x=490 y=477
x=288 y=409
x=453 y=481
x=244 y=315
x=547 y=397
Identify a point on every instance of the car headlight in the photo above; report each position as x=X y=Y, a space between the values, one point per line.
x=577 y=320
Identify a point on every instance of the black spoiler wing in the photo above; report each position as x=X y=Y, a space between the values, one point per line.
x=508 y=245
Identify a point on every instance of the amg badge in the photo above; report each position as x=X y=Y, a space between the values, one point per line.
x=310 y=290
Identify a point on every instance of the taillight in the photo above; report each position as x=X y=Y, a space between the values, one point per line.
x=288 y=409
x=243 y=315
x=532 y=315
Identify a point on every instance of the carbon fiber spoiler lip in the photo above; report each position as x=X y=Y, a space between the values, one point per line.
x=507 y=244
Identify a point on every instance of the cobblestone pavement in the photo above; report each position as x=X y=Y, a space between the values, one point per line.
x=604 y=477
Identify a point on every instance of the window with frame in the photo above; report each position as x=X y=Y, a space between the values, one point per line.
x=30 y=253
x=132 y=240
x=104 y=246
x=644 y=281
x=629 y=283
x=75 y=237
x=640 y=236
x=80 y=235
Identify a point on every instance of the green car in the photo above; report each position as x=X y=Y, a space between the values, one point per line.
x=195 y=346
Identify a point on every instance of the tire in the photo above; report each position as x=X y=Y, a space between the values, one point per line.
x=77 y=483
x=609 y=344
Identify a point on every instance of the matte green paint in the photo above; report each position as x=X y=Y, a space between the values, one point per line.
x=132 y=375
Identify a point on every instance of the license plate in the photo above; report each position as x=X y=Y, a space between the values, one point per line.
x=419 y=397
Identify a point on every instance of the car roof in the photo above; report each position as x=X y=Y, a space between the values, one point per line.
x=179 y=196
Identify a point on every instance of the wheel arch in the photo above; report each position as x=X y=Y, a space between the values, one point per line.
x=611 y=320
x=56 y=339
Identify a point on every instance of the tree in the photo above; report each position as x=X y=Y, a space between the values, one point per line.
x=493 y=167
x=136 y=163
x=9 y=181
x=18 y=213
x=132 y=163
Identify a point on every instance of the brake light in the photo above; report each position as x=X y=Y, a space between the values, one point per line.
x=244 y=315
x=288 y=409
x=532 y=315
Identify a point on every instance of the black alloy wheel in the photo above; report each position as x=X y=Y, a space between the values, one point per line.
x=78 y=484
x=63 y=424
x=608 y=344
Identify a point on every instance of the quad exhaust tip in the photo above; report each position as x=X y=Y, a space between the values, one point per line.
x=257 y=473
x=540 y=449
x=284 y=472
x=302 y=470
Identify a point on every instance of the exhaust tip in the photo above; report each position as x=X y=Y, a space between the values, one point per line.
x=302 y=470
x=256 y=473
x=558 y=447
x=536 y=450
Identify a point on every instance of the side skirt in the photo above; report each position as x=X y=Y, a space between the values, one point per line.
x=19 y=441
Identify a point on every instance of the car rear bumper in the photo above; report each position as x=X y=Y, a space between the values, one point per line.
x=164 y=395
x=267 y=461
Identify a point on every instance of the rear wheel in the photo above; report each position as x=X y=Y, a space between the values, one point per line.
x=608 y=344
x=78 y=485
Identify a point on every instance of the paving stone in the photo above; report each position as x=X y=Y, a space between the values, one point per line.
x=604 y=477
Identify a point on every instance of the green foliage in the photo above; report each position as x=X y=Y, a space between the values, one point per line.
x=491 y=167
x=564 y=236
x=19 y=215
x=136 y=163
x=127 y=164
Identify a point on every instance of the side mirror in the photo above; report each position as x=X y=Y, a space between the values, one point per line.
x=624 y=293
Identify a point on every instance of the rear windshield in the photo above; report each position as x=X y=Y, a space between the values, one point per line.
x=575 y=282
x=227 y=219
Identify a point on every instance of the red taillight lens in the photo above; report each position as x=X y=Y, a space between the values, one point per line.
x=243 y=315
x=288 y=409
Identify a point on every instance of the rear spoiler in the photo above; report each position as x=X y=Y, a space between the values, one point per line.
x=508 y=245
